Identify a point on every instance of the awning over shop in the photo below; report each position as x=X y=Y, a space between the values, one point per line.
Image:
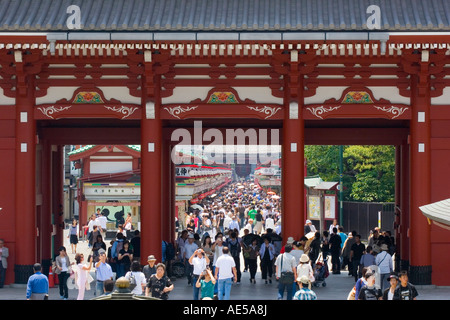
x=438 y=213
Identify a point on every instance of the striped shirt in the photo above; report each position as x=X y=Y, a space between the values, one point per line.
x=305 y=294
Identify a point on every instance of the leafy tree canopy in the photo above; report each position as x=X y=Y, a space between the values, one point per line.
x=368 y=171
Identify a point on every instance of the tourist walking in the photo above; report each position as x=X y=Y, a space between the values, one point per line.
x=124 y=259
x=199 y=262
x=206 y=283
x=82 y=277
x=267 y=254
x=405 y=290
x=37 y=285
x=73 y=235
x=356 y=252
x=189 y=249
x=62 y=262
x=135 y=244
x=325 y=241
x=225 y=273
x=286 y=269
x=159 y=284
x=368 y=259
x=90 y=229
x=103 y=272
x=388 y=294
x=369 y=291
x=251 y=253
x=384 y=262
x=136 y=278
x=207 y=248
x=335 y=250
x=101 y=221
x=150 y=267
x=345 y=253
x=234 y=244
x=97 y=245
x=304 y=292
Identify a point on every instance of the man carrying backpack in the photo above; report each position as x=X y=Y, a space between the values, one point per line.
x=234 y=244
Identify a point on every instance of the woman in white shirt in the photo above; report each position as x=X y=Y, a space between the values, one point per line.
x=135 y=276
x=82 y=273
x=304 y=268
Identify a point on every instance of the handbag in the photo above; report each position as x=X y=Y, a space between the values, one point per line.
x=287 y=277
x=351 y=295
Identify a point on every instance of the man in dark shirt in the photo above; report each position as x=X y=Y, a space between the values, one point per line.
x=335 y=249
x=135 y=243
x=405 y=290
x=356 y=252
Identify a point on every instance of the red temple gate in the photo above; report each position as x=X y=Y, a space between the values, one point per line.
x=316 y=91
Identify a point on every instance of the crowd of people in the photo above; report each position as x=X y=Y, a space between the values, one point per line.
x=238 y=230
x=244 y=221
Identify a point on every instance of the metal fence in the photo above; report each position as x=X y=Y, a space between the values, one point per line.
x=364 y=216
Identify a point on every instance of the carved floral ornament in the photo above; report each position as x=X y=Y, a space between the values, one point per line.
x=396 y=111
x=268 y=111
x=49 y=111
x=178 y=110
x=230 y=103
x=319 y=111
x=357 y=104
x=126 y=111
x=85 y=101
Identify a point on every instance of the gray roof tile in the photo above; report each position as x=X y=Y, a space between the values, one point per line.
x=225 y=15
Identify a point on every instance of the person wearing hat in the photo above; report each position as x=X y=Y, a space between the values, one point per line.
x=189 y=248
x=290 y=241
x=384 y=262
x=305 y=292
x=304 y=268
x=309 y=227
x=150 y=268
x=388 y=294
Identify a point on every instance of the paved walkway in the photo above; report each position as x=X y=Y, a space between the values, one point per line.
x=337 y=288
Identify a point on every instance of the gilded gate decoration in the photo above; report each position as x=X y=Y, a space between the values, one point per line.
x=357 y=103
x=225 y=103
x=87 y=101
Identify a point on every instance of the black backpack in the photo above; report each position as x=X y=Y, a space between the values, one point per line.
x=234 y=248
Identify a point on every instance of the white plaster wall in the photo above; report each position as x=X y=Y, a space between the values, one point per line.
x=325 y=93
x=120 y=93
x=389 y=93
x=258 y=94
x=56 y=93
x=4 y=100
x=186 y=94
x=442 y=99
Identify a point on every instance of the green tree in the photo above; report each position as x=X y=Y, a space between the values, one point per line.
x=369 y=171
x=373 y=168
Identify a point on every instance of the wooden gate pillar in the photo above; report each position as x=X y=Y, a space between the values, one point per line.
x=151 y=166
x=403 y=241
x=420 y=146
x=293 y=215
x=25 y=173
